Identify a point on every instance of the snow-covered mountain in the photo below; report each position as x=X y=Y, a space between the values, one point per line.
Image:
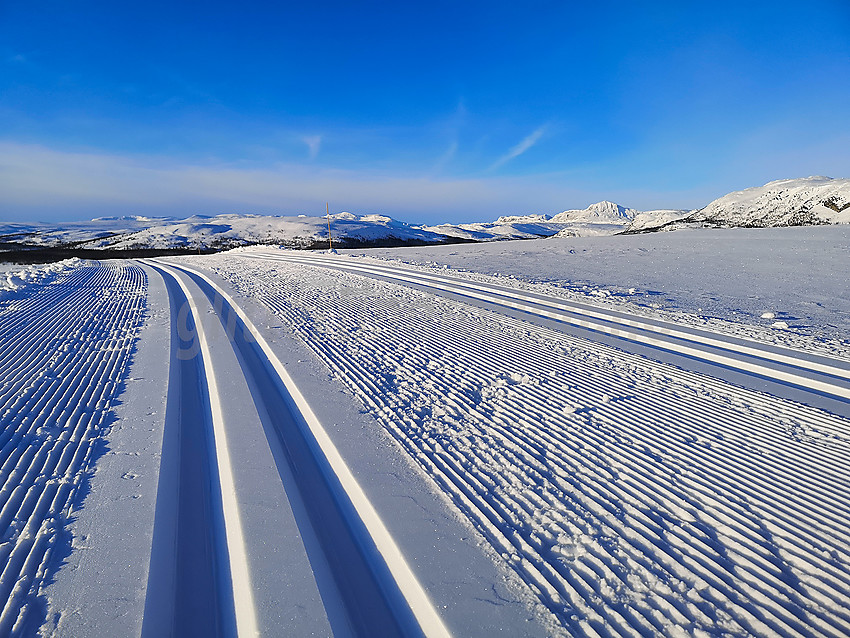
x=648 y=220
x=603 y=212
x=218 y=232
x=506 y=227
x=601 y=218
x=786 y=202
x=227 y=231
x=790 y=202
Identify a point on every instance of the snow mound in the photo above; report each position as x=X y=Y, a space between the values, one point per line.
x=14 y=279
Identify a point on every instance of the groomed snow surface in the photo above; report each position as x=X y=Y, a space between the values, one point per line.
x=460 y=440
x=66 y=344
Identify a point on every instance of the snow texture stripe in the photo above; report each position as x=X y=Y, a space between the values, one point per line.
x=668 y=339
x=64 y=348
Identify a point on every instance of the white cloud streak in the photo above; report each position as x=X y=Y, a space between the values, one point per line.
x=527 y=142
x=445 y=158
x=314 y=144
x=40 y=183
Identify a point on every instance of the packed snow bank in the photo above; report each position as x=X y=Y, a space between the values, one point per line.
x=15 y=278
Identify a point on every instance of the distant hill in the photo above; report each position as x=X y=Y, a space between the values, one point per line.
x=134 y=235
x=601 y=218
x=790 y=202
x=804 y=201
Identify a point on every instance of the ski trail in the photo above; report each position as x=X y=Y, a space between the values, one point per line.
x=64 y=348
x=812 y=372
x=380 y=593
x=636 y=498
x=246 y=623
x=309 y=446
x=211 y=583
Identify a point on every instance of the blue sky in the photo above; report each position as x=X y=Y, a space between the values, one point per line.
x=429 y=112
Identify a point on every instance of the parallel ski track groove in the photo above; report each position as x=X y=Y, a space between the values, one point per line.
x=812 y=483
x=406 y=606
x=65 y=345
x=761 y=573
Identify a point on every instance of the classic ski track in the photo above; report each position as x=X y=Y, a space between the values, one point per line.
x=796 y=521
x=427 y=619
x=240 y=579
x=837 y=366
x=66 y=345
x=665 y=337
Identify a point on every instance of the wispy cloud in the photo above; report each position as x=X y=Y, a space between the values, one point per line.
x=314 y=143
x=38 y=182
x=445 y=158
x=527 y=142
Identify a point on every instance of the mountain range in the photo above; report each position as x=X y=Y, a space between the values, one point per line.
x=789 y=202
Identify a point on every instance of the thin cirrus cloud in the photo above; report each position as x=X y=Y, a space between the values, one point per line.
x=527 y=142
x=314 y=144
x=446 y=157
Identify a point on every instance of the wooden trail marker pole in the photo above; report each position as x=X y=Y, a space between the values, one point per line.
x=330 y=240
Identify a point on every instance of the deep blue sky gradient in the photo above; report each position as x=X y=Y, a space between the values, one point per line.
x=425 y=111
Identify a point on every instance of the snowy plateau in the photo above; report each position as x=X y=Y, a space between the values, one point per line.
x=589 y=433
x=793 y=202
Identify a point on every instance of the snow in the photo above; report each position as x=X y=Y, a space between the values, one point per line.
x=705 y=276
x=220 y=231
x=602 y=218
x=623 y=492
x=15 y=278
x=652 y=219
x=604 y=212
x=805 y=201
x=66 y=345
x=788 y=202
x=494 y=419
